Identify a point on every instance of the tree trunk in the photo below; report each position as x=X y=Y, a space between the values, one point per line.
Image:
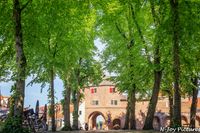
x=52 y=106
x=20 y=61
x=148 y=125
x=157 y=76
x=76 y=108
x=176 y=64
x=193 y=108
x=170 y=108
x=132 y=109
x=67 y=95
x=126 y=125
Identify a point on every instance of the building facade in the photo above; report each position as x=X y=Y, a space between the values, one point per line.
x=106 y=101
x=4 y=105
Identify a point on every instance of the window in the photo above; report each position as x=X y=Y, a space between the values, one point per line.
x=112 y=90
x=80 y=112
x=113 y=102
x=95 y=102
x=93 y=90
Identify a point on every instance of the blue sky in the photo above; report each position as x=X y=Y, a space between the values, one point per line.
x=32 y=93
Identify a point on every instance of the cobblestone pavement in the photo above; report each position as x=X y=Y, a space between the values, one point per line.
x=108 y=131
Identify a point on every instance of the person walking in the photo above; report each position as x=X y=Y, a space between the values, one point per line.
x=86 y=126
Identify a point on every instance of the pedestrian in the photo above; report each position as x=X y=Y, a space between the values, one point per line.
x=86 y=126
x=100 y=125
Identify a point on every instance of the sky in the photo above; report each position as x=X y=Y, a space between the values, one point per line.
x=33 y=93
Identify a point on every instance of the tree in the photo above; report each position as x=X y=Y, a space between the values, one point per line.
x=189 y=40
x=194 y=102
x=66 y=105
x=176 y=62
x=88 y=71
x=123 y=54
x=17 y=9
x=20 y=60
x=157 y=72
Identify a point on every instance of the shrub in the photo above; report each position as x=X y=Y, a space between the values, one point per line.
x=13 y=125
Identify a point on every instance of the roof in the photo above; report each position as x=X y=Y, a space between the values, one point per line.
x=104 y=82
x=4 y=97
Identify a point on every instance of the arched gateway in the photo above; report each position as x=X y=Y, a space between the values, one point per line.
x=92 y=120
x=105 y=101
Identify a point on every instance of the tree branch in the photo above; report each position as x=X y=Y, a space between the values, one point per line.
x=55 y=50
x=120 y=31
x=140 y=34
x=25 y=5
x=153 y=12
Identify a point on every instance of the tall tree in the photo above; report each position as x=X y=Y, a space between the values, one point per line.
x=88 y=71
x=20 y=58
x=157 y=73
x=189 y=52
x=176 y=62
x=126 y=125
x=193 y=108
x=122 y=16
x=66 y=105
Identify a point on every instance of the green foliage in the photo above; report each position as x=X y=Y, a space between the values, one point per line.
x=7 y=53
x=116 y=28
x=125 y=53
x=12 y=100
x=13 y=125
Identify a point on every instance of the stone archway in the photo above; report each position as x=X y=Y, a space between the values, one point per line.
x=92 y=118
x=197 y=122
x=184 y=120
x=116 y=123
x=166 y=121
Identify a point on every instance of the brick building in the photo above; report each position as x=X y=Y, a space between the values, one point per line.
x=106 y=101
x=3 y=105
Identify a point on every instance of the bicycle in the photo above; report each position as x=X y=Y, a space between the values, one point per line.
x=33 y=122
x=3 y=115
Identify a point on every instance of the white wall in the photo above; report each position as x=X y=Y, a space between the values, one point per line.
x=82 y=115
